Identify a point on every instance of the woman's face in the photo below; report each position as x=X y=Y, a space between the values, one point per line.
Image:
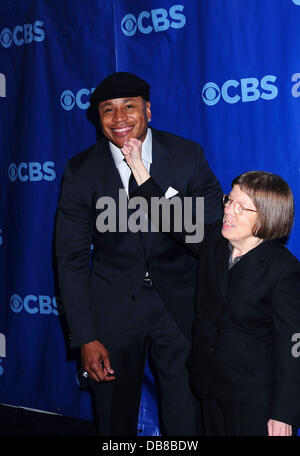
x=238 y=228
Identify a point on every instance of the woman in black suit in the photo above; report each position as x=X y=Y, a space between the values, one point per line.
x=244 y=362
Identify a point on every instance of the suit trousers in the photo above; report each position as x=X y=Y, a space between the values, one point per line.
x=149 y=328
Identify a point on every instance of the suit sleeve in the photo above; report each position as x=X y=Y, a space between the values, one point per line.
x=204 y=183
x=286 y=323
x=73 y=243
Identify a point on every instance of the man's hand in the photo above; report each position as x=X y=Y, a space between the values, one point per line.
x=277 y=428
x=95 y=360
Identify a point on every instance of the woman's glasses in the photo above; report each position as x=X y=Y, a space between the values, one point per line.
x=237 y=207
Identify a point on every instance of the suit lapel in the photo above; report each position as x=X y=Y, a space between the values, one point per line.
x=254 y=259
x=161 y=163
x=109 y=178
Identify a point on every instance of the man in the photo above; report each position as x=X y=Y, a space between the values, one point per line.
x=139 y=293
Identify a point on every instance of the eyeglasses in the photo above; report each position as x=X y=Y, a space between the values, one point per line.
x=237 y=207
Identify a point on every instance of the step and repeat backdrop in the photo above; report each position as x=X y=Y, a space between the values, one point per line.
x=225 y=73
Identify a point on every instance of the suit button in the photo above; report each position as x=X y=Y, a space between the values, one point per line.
x=212 y=349
x=132 y=297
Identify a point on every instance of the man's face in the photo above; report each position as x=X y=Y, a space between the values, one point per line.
x=124 y=118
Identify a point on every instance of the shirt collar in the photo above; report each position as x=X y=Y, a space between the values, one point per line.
x=146 y=150
x=232 y=262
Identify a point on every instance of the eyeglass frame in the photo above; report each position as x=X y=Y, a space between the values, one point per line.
x=235 y=208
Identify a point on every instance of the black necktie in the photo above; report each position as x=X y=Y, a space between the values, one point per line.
x=132 y=185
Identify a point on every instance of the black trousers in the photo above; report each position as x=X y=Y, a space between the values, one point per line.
x=222 y=418
x=149 y=328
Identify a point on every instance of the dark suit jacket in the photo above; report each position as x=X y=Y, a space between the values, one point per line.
x=98 y=299
x=245 y=321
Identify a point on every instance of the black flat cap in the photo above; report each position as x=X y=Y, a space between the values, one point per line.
x=120 y=85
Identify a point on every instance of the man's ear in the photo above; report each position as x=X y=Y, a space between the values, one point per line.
x=148 y=110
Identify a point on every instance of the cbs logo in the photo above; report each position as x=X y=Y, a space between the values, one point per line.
x=32 y=171
x=247 y=89
x=22 y=34
x=68 y=99
x=44 y=305
x=296 y=87
x=158 y=20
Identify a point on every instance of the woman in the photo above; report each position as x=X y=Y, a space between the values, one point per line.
x=243 y=363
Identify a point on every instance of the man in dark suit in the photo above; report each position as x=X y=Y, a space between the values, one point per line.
x=138 y=296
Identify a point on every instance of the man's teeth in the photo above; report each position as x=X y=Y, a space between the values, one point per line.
x=121 y=130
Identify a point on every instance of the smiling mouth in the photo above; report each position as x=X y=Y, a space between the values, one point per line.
x=121 y=131
x=227 y=224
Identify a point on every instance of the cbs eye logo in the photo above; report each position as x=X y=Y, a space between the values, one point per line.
x=129 y=25
x=16 y=303
x=67 y=100
x=211 y=93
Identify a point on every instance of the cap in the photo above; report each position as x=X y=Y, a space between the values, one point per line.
x=120 y=85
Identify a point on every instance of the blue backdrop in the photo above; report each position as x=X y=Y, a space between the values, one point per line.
x=225 y=73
